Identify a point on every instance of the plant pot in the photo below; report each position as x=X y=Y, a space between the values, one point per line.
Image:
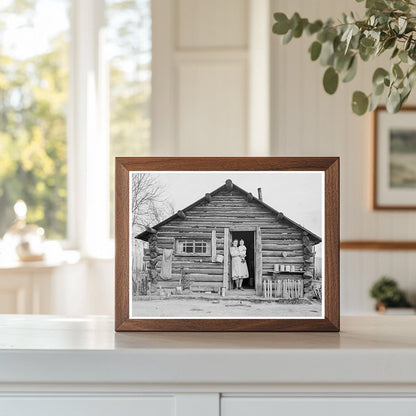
x=381 y=307
x=399 y=311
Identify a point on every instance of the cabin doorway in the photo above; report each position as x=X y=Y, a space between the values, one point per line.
x=248 y=237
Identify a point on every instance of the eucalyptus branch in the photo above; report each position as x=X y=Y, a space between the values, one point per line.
x=389 y=25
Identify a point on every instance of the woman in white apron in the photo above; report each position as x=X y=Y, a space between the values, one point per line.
x=239 y=270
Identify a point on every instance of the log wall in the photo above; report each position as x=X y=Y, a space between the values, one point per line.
x=232 y=210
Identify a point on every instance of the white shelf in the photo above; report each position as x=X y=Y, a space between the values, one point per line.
x=48 y=349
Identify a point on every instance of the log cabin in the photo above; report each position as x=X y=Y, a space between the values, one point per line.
x=194 y=243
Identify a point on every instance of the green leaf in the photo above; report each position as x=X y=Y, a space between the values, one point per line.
x=367 y=42
x=351 y=71
x=412 y=70
x=281 y=27
x=322 y=36
x=412 y=52
x=411 y=76
x=378 y=89
x=315 y=50
x=403 y=56
x=341 y=61
x=330 y=80
x=389 y=43
x=314 y=27
x=298 y=30
x=327 y=53
x=400 y=5
x=355 y=41
x=395 y=52
x=397 y=71
x=359 y=103
x=376 y=4
x=374 y=101
x=366 y=48
x=294 y=20
x=393 y=101
x=288 y=37
x=408 y=42
x=379 y=75
x=365 y=53
x=403 y=96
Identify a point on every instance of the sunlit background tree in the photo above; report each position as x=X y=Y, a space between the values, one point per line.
x=34 y=86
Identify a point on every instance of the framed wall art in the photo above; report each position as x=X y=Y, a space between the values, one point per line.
x=394 y=159
x=227 y=244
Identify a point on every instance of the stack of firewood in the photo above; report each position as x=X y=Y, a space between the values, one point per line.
x=153 y=253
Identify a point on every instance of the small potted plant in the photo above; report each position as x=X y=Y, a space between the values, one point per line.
x=387 y=294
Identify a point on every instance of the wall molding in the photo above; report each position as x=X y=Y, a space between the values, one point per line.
x=377 y=245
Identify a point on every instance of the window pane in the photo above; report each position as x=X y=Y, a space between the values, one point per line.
x=129 y=46
x=33 y=100
x=192 y=246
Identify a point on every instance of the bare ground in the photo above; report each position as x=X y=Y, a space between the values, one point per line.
x=222 y=308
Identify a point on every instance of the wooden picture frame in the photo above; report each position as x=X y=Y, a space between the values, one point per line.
x=329 y=169
x=391 y=190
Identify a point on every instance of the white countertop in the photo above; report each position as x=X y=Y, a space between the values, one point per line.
x=52 y=349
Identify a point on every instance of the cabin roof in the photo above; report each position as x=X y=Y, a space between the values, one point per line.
x=145 y=234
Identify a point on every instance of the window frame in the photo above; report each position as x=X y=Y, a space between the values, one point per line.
x=87 y=133
x=179 y=241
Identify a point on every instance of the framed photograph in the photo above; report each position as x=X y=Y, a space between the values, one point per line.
x=227 y=244
x=394 y=153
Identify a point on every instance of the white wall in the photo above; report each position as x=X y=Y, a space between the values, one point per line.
x=202 y=84
x=308 y=122
x=211 y=92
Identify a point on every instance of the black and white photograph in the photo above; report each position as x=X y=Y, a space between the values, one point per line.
x=403 y=158
x=226 y=244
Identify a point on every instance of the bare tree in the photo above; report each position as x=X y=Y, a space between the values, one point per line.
x=149 y=204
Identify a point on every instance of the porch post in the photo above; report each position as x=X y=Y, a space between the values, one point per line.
x=226 y=258
x=259 y=262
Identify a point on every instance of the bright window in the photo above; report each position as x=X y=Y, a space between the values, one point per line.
x=75 y=87
x=33 y=111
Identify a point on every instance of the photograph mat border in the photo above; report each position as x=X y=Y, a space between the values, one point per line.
x=323 y=303
x=384 y=197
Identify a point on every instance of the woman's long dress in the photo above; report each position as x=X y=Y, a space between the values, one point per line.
x=235 y=263
x=243 y=266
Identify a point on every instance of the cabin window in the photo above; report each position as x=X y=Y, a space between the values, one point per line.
x=193 y=247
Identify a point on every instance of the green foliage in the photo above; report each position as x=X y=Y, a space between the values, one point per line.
x=282 y=25
x=33 y=97
x=330 y=80
x=389 y=26
x=315 y=50
x=386 y=291
x=359 y=103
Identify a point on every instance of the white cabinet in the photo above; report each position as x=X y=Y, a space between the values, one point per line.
x=52 y=365
x=273 y=406
x=39 y=287
x=88 y=406
x=67 y=286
